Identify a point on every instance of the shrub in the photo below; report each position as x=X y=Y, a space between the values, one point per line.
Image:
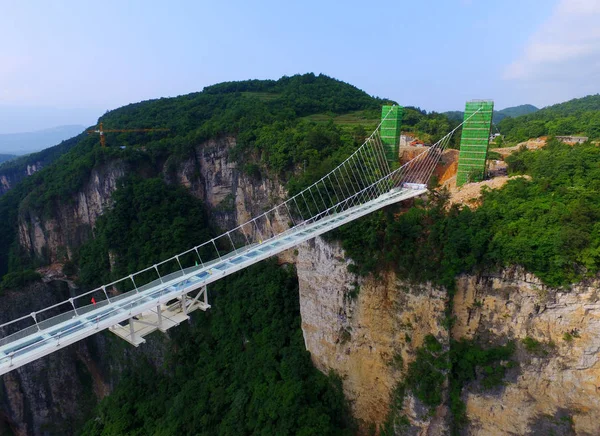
x=15 y=280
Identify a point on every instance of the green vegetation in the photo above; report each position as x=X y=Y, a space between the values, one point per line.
x=569 y=336
x=429 y=127
x=148 y=222
x=6 y=157
x=469 y=361
x=464 y=362
x=427 y=373
x=239 y=369
x=536 y=347
x=18 y=279
x=515 y=111
x=577 y=116
x=548 y=225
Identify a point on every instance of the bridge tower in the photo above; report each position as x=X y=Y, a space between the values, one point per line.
x=474 y=141
x=391 y=119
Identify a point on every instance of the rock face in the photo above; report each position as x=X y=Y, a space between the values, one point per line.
x=232 y=196
x=366 y=330
x=8 y=179
x=557 y=385
x=53 y=238
x=358 y=328
x=211 y=175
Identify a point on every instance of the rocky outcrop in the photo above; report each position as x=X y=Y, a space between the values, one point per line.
x=9 y=178
x=232 y=197
x=557 y=384
x=366 y=330
x=363 y=327
x=54 y=235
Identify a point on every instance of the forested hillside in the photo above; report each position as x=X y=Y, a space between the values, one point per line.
x=580 y=116
x=546 y=224
x=19 y=167
x=6 y=157
x=515 y=111
x=499 y=115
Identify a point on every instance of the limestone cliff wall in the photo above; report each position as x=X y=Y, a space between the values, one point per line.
x=52 y=235
x=366 y=329
x=232 y=196
x=356 y=326
x=210 y=174
x=556 y=388
x=9 y=178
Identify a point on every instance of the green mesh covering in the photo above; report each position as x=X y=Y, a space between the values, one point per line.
x=391 y=120
x=474 y=141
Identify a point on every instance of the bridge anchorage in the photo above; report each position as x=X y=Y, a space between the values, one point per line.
x=163 y=295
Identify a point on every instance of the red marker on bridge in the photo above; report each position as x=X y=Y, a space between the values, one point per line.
x=93 y=301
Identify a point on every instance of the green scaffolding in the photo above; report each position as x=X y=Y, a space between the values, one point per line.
x=391 y=120
x=474 y=141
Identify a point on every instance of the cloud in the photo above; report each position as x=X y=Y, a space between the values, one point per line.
x=564 y=51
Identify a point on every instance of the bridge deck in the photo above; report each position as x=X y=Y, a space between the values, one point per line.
x=25 y=346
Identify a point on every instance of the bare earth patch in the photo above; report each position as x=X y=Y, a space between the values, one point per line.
x=470 y=193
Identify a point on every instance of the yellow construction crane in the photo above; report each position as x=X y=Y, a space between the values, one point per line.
x=101 y=131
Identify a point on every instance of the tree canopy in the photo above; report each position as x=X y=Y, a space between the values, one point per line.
x=577 y=116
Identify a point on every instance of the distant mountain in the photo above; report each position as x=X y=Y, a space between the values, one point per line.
x=30 y=142
x=26 y=118
x=580 y=116
x=515 y=111
x=455 y=115
x=6 y=157
x=16 y=168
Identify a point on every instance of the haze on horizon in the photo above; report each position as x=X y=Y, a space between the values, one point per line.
x=68 y=62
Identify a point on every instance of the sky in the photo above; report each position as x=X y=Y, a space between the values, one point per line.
x=68 y=62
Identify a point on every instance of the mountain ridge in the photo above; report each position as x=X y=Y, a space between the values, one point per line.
x=513 y=111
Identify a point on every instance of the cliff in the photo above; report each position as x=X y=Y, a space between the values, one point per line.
x=9 y=178
x=209 y=173
x=53 y=238
x=556 y=386
x=367 y=330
